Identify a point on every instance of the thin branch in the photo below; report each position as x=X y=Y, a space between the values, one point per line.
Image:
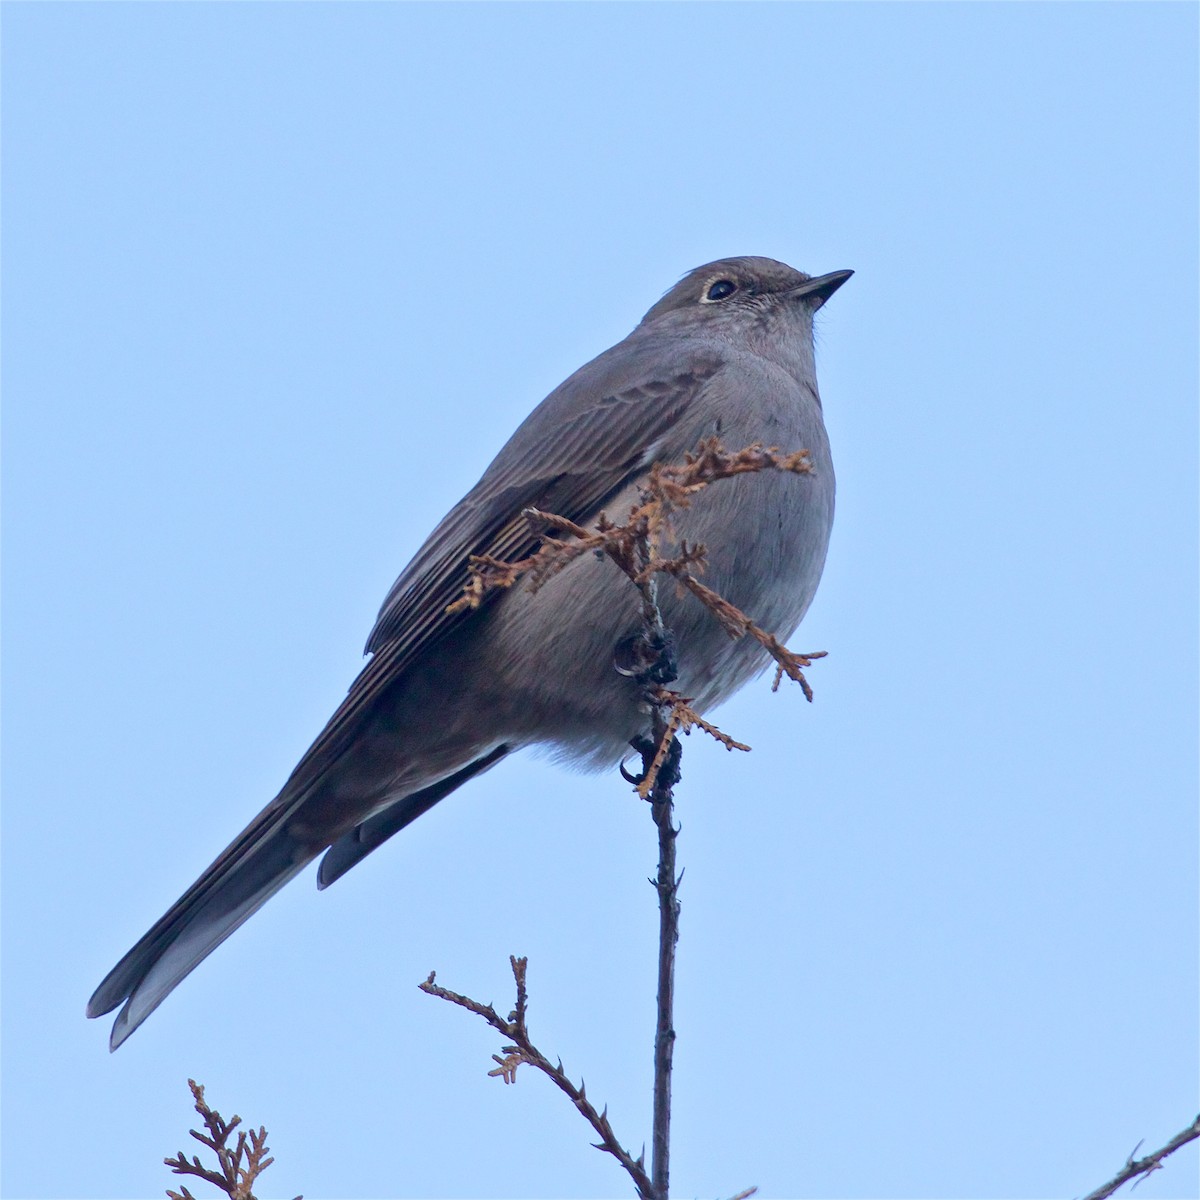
x=661 y=755
x=1141 y=1167
x=522 y=1050
x=667 y=886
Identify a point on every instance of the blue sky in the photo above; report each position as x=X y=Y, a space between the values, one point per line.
x=278 y=282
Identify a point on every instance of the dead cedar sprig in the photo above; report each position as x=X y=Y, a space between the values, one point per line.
x=710 y=461
x=239 y=1165
x=522 y=1050
x=736 y=624
x=634 y=546
x=486 y=573
x=681 y=718
x=669 y=487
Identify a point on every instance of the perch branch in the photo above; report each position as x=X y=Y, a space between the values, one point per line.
x=661 y=759
x=666 y=884
x=636 y=548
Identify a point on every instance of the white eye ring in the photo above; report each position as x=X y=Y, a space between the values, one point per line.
x=724 y=289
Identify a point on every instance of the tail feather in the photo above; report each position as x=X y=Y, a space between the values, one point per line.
x=275 y=847
x=245 y=876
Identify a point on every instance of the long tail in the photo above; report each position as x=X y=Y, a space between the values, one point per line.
x=244 y=877
x=268 y=853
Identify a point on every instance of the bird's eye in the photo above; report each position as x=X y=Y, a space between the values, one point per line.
x=721 y=289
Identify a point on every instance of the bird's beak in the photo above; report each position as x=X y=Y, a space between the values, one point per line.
x=820 y=288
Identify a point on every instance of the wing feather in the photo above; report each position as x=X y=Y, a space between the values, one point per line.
x=575 y=451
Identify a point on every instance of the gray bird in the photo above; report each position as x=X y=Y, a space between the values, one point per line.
x=728 y=351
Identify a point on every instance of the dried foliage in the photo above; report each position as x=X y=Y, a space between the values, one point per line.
x=668 y=489
x=680 y=718
x=238 y=1167
x=636 y=548
x=520 y=1050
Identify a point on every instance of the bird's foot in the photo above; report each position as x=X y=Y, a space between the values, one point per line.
x=648 y=660
x=669 y=773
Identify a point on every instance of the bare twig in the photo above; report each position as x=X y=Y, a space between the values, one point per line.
x=1141 y=1167
x=522 y=1050
x=661 y=753
x=238 y=1167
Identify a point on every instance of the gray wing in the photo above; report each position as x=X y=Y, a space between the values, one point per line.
x=573 y=452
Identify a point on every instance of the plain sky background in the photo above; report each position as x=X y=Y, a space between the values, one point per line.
x=278 y=282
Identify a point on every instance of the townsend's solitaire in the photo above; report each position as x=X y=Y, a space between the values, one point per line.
x=728 y=351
